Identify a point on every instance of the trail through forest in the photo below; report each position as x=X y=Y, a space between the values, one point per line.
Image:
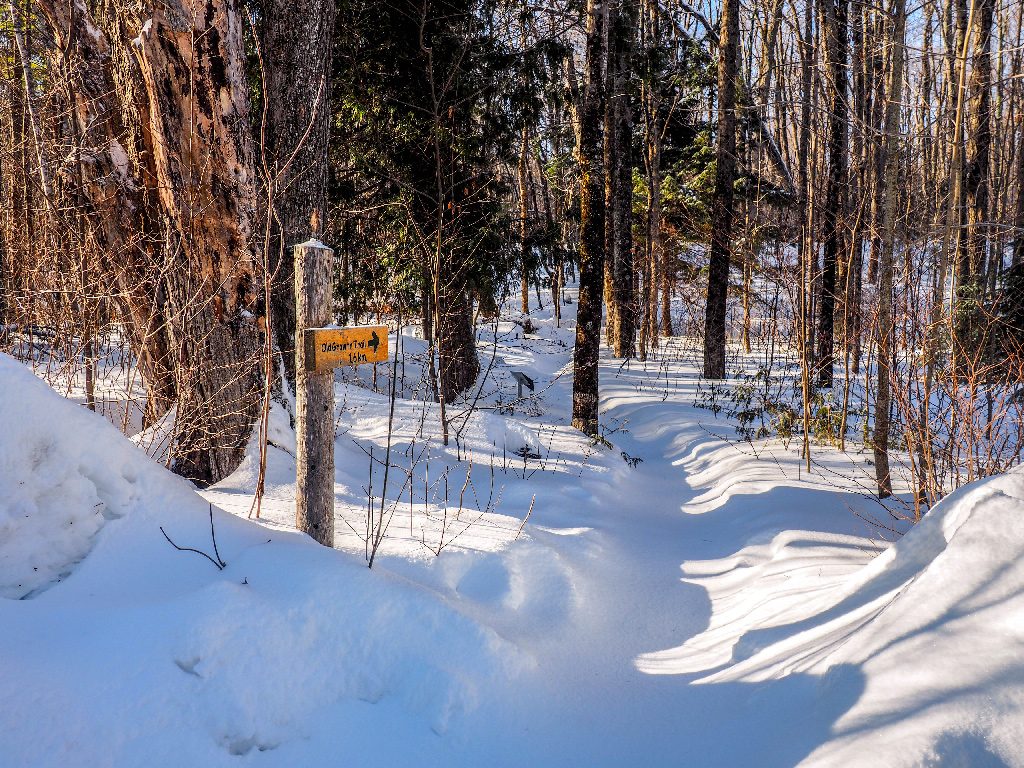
x=593 y=592
x=668 y=595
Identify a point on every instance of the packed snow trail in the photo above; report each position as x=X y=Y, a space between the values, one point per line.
x=587 y=702
x=594 y=592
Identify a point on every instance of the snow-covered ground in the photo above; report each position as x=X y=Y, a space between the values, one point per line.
x=678 y=598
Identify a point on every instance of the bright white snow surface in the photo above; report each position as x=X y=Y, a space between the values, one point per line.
x=713 y=605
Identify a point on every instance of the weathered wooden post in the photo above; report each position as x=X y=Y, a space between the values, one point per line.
x=314 y=395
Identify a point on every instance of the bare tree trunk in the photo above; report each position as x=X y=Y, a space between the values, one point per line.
x=834 y=210
x=611 y=125
x=592 y=215
x=524 y=211
x=624 y=36
x=884 y=331
x=722 y=202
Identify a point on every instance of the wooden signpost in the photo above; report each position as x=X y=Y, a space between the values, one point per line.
x=319 y=349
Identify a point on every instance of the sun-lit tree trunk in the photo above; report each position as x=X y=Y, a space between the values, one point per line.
x=610 y=126
x=592 y=213
x=189 y=302
x=623 y=35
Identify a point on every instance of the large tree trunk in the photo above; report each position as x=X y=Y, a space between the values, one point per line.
x=186 y=304
x=193 y=63
x=296 y=46
x=722 y=202
x=592 y=214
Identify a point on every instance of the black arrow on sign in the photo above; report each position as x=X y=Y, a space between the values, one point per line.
x=374 y=342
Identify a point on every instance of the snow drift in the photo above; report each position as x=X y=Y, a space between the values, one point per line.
x=927 y=639
x=124 y=651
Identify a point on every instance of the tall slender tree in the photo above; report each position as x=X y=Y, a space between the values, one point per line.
x=723 y=200
x=833 y=213
x=589 y=153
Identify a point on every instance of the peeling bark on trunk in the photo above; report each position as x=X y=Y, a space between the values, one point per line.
x=186 y=303
x=192 y=60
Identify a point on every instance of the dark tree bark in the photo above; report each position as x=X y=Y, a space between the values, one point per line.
x=722 y=202
x=592 y=215
x=979 y=151
x=296 y=58
x=833 y=212
x=457 y=360
x=621 y=169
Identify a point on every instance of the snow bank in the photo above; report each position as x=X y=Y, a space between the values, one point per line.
x=57 y=486
x=926 y=639
x=138 y=654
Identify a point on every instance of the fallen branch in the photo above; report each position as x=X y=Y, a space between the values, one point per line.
x=218 y=562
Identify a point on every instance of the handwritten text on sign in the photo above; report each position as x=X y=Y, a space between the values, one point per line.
x=328 y=348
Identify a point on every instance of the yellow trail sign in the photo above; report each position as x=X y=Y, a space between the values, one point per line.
x=328 y=348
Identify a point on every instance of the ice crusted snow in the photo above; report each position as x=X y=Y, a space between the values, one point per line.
x=712 y=604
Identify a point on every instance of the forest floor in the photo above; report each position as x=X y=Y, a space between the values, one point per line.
x=676 y=596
